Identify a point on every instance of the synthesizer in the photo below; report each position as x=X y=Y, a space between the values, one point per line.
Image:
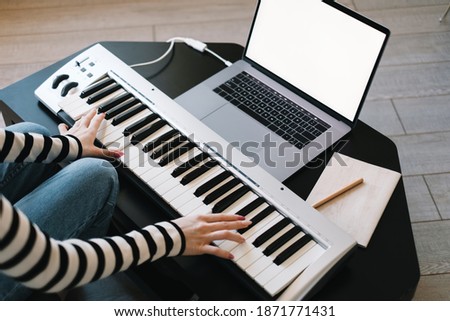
x=289 y=248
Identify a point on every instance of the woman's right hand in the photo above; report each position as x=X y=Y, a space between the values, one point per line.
x=201 y=230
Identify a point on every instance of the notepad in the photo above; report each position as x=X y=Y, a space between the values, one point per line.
x=357 y=211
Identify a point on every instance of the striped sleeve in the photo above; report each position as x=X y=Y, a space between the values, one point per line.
x=42 y=263
x=37 y=148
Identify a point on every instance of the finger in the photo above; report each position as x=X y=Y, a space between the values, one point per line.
x=111 y=153
x=226 y=235
x=234 y=225
x=96 y=121
x=85 y=120
x=222 y=217
x=63 y=128
x=217 y=251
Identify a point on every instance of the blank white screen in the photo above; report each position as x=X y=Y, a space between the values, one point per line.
x=325 y=53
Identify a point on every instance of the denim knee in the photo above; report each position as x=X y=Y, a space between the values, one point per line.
x=27 y=127
x=98 y=172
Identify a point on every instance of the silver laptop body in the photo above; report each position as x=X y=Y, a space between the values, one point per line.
x=313 y=61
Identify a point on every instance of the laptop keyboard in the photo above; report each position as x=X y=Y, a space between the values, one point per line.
x=273 y=110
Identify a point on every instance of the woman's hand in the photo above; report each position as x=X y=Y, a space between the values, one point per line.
x=201 y=230
x=85 y=129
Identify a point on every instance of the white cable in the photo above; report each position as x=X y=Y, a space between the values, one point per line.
x=226 y=62
x=193 y=43
x=164 y=55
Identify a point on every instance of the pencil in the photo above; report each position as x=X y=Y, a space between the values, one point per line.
x=339 y=192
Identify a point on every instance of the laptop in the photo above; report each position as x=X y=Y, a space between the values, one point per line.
x=300 y=86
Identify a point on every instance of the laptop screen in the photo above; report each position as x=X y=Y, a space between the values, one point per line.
x=322 y=51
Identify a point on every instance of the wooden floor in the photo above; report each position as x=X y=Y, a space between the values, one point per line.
x=409 y=100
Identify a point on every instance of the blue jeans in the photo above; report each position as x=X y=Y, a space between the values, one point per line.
x=76 y=202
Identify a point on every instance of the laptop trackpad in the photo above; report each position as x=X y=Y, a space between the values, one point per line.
x=235 y=126
x=200 y=101
x=251 y=138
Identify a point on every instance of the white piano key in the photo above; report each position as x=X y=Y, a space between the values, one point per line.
x=69 y=100
x=156 y=134
x=244 y=262
x=103 y=126
x=221 y=197
x=210 y=206
x=188 y=207
x=147 y=165
x=153 y=172
x=80 y=107
x=167 y=186
x=132 y=156
x=240 y=251
x=266 y=275
x=247 y=246
x=182 y=159
x=259 y=265
x=189 y=192
x=71 y=103
x=281 y=280
x=121 y=143
x=108 y=129
x=173 y=184
x=189 y=188
x=202 y=209
x=241 y=203
x=249 y=258
x=162 y=176
x=226 y=180
x=251 y=233
x=106 y=99
x=115 y=134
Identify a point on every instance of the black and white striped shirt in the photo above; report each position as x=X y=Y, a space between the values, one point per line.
x=30 y=256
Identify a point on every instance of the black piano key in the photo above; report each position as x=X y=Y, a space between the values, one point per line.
x=198 y=172
x=168 y=146
x=189 y=164
x=139 y=124
x=264 y=237
x=275 y=245
x=128 y=114
x=211 y=197
x=103 y=93
x=251 y=206
x=223 y=204
x=173 y=155
x=202 y=189
x=105 y=82
x=160 y=140
x=258 y=218
x=294 y=247
x=121 y=108
x=113 y=102
x=141 y=135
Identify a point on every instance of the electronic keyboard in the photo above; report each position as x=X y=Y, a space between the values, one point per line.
x=289 y=248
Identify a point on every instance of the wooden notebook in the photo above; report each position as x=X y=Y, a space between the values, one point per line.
x=358 y=210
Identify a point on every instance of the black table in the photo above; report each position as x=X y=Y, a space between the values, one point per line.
x=386 y=270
